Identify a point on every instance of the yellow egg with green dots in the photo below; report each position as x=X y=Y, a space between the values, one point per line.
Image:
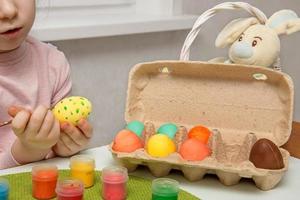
x=72 y=109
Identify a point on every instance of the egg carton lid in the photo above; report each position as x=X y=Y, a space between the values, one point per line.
x=236 y=99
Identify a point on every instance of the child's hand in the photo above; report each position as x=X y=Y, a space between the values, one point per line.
x=73 y=138
x=39 y=130
x=36 y=132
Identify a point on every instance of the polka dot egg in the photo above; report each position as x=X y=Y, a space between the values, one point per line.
x=72 y=109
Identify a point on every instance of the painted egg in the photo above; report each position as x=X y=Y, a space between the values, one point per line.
x=168 y=129
x=194 y=150
x=200 y=133
x=127 y=141
x=72 y=109
x=136 y=126
x=160 y=145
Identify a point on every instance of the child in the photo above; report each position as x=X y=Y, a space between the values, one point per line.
x=33 y=77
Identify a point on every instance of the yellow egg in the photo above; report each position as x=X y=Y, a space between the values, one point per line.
x=72 y=109
x=160 y=145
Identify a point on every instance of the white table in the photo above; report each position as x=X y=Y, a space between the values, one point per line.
x=208 y=188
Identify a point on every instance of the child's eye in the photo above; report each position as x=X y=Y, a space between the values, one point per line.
x=254 y=43
x=240 y=38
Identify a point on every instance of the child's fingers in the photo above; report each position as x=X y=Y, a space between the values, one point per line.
x=79 y=138
x=86 y=128
x=20 y=122
x=61 y=148
x=63 y=142
x=36 y=119
x=13 y=110
x=65 y=127
x=68 y=141
x=47 y=125
x=75 y=134
x=55 y=131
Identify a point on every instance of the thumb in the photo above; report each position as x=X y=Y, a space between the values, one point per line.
x=13 y=110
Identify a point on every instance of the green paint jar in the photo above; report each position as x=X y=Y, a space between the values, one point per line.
x=165 y=189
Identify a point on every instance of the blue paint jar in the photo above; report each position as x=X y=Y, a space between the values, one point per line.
x=4 y=189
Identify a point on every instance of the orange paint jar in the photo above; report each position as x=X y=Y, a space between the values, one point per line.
x=44 y=179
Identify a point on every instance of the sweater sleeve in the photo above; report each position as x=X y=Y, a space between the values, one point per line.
x=7 y=160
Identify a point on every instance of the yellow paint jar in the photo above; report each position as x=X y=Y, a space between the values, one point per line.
x=83 y=168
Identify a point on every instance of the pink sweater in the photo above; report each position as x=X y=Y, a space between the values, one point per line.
x=34 y=74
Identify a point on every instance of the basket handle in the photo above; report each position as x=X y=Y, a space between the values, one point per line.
x=185 y=51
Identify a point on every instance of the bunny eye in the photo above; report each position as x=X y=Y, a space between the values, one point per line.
x=254 y=43
x=240 y=38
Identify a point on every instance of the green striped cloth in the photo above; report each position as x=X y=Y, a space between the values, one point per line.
x=138 y=188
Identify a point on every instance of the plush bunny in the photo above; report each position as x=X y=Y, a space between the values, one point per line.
x=253 y=43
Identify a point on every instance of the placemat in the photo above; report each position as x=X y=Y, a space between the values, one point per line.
x=138 y=188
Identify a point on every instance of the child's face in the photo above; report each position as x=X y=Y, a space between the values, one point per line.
x=16 y=19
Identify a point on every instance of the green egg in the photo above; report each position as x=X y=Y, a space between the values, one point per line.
x=136 y=126
x=168 y=129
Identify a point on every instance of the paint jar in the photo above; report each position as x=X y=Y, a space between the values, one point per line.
x=165 y=189
x=114 y=181
x=83 y=168
x=44 y=179
x=4 y=189
x=69 y=189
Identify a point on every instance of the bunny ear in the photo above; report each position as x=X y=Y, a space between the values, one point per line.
x=233 y=30
x=284 y=22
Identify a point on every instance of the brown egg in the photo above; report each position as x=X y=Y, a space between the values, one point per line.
x=265 y=154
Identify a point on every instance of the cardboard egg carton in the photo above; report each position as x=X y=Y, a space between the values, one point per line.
x=228 y=99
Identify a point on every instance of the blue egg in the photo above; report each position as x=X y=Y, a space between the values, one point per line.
x=168 y=129
x=136 y=126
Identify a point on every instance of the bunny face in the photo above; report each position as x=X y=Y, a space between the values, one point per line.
x=258 y=45
x=253 y=43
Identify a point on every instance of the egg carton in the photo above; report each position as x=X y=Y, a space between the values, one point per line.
x=225 y=98
x=230 y=162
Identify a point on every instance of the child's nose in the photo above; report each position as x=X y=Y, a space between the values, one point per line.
x=8 y=9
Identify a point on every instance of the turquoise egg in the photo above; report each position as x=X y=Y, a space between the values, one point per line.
x=168 y=129
x=136 y=126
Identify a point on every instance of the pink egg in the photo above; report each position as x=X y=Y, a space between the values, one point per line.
x=194 y=150
x=127 y=141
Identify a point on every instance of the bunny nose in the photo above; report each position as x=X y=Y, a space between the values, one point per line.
x=242 y=50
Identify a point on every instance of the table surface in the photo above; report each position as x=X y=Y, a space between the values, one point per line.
x=207 y=188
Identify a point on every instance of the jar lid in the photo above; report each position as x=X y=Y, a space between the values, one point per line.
x=82 y=159
x=114 y=174
x=69 y=187
x=44 y=172
x=165 y=187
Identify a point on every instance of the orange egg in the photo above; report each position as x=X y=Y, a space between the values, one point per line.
x=194 y=150
x=127 y=141
x=200 y=133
